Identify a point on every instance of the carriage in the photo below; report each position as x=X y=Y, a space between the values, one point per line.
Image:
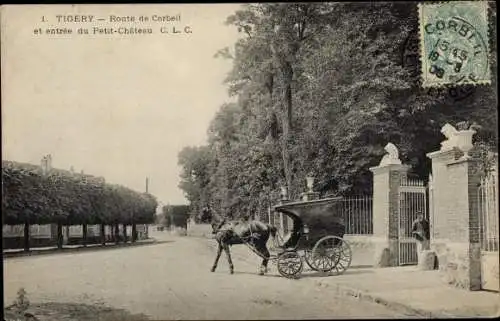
x=316 y=238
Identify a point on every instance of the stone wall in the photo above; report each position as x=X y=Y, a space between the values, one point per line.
x=363 y=249
x=459 y=263
x=37 y=231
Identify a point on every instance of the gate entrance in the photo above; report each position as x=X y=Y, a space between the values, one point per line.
x=412 y=201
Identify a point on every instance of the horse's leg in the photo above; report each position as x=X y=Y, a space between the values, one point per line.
x=219 y=252
x=228 y=254
x=262 y=248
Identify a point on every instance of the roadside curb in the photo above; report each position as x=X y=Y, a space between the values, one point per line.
x=365 y=296
x=80 y=249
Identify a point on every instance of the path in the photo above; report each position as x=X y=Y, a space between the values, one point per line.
x=172 y=281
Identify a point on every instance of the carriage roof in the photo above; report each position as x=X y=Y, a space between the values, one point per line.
x=323 y=214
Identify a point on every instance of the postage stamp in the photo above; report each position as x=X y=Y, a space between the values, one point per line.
x=454 y=43
x=410 y=59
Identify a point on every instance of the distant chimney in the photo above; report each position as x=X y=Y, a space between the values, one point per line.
x=49 y=162
x=72 y=170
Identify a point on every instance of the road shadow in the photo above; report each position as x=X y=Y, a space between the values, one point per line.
x=257 y=274
x=315 y=274
x=353 y=269
x=307 y=273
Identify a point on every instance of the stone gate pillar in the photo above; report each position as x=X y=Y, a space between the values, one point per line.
x=455 y=221
x=386 y=180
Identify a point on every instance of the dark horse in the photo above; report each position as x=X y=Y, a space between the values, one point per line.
x=254 y=233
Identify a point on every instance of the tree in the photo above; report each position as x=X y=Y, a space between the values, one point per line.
x=275 y=34
x=195 y=176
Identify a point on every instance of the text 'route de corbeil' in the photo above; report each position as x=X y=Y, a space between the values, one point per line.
x=112 y=24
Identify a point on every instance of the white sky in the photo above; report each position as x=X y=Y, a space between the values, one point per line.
x=116 y=106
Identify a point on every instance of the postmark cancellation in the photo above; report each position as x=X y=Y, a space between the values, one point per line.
x=454 y=43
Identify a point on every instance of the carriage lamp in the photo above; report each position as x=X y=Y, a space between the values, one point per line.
x=305 y=229
x=310 y=182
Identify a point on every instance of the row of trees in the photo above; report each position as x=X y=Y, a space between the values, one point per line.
x=321 y=88
x=30 y=196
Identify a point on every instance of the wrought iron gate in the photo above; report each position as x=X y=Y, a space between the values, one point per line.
x=489 y=231
x=412 y=201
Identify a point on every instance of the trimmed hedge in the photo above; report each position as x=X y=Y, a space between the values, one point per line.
x=68 y=198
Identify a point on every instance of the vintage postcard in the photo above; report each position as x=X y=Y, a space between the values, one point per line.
x=250 y=161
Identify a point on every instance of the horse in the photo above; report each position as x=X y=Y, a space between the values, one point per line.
x=254 y=233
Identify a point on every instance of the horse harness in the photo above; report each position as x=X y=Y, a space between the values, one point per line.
x=246 y=240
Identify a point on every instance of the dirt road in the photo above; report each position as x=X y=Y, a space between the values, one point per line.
x=172 y=280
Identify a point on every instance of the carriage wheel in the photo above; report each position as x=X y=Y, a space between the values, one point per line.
x=290 y=264
x=331 y=253
x=309 y=260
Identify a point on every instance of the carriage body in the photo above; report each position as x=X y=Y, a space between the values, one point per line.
x=317 y=237
x=314 y=220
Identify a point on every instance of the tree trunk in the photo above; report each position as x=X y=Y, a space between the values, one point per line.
x=103 y=234
x=66 y=240
x=117 y=233
x=287 y=80
x=286 y=164
x=125 y=233
x=60 y=237
x=26 y=237
x=84 y=234
x=134 y=232
x=287 y=71
x=112 y=233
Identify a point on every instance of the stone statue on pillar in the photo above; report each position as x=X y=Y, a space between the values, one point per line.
x=450 y=133
x=392 y=155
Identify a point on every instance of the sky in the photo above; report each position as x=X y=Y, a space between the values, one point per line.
x=113 y=105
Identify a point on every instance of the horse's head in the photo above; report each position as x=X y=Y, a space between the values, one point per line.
x=206 y=215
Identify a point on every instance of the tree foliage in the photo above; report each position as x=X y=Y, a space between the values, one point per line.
x=28 y=196
x=321 y=88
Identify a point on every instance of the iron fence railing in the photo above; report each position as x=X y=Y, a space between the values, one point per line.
x=358 y=214
x=488 y=212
